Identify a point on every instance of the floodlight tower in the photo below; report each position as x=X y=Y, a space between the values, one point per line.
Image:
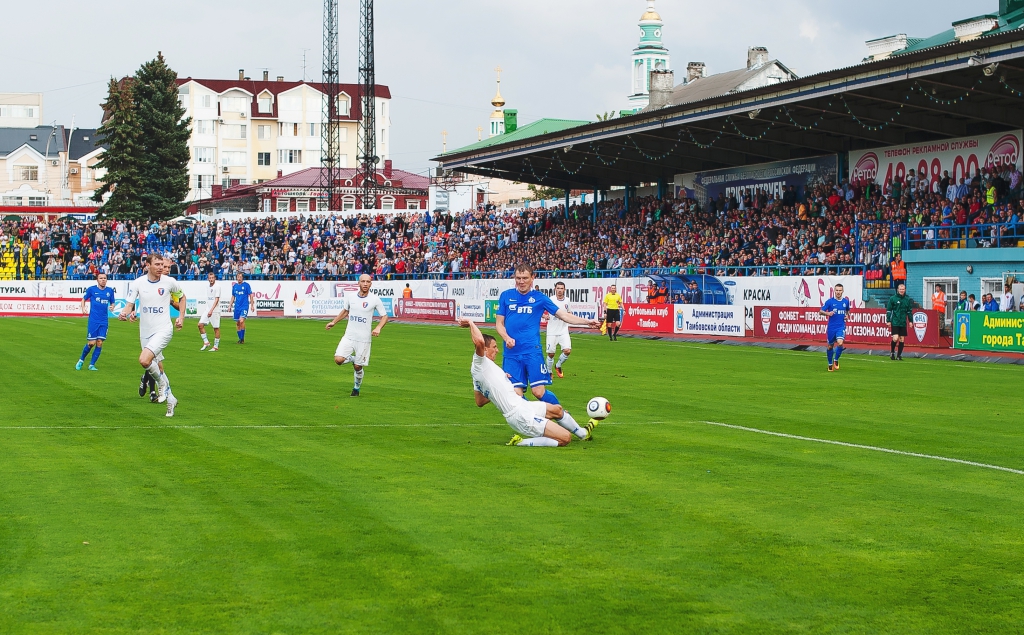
x=330 y=139
x=367 y=131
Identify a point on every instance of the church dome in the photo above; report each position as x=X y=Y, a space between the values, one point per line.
x=650 y=15
x=498 y=100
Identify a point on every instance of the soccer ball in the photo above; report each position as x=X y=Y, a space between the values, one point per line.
x=598 y=408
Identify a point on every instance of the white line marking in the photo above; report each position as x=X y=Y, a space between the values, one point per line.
x=329 y=426
x=865 y=447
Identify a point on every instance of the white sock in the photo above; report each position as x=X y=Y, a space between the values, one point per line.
x=154 y=370
x=551 y=359
x=166 y=383
x=206 y=340
x=359 y=378
x=538 y=442
x=561 y=360
x=570 y=424
x=216 y=342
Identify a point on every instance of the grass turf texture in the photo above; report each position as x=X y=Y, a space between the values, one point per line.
x=423 y=521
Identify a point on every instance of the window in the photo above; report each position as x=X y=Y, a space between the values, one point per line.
x=282 y=205
x=387 y=202
x=289 y=156
x=14 y=201
x=951 y=286
x=234 y=104
x=412 y=205
x=343 y=135
x=348 y=203
x=204 y=181
x=26 y=172
x=232 y=131
x=383 y=137
x=302 y=205
x=343 y=105
x=232 y=158
x=266 y=105
x=23 y=112
x=37 y=201
x=206 y=101
x=287 y=129
x=183 y=89
x=204 y=155
x=262 y=132
x=312 y=130
x=205 y=126
x=262 y=158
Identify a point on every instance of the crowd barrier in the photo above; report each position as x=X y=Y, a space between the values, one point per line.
x=863 y=326
x=989 y=331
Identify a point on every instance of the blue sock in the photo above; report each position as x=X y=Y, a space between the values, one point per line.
x=830 y=353
x=85 y=351
x=839 y=352
x=241 y=335
x=95 y=355
x=549 y=397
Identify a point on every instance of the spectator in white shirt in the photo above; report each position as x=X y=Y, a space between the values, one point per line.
x=1006 y=302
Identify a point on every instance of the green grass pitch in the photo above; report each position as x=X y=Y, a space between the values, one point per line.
x=278 y=504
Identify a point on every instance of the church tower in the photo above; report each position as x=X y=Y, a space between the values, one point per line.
x=649 y=55
x=498 y=116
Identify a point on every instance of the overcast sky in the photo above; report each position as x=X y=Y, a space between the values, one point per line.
x=561 y=58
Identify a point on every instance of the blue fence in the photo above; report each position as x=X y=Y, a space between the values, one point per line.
x=964 y=236
x=787 y=270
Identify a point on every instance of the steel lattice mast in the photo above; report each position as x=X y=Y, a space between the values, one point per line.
x=367 y=132
x=330 y=139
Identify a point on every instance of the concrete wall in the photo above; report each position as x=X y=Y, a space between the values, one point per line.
x=953 y=263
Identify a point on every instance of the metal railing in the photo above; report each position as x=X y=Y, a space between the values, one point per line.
x=632 y=272
x=964 y=236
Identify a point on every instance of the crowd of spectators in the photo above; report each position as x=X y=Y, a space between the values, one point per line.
x=831 y=228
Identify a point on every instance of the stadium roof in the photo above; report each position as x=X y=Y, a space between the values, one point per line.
x=539 y=127
x=946 y=91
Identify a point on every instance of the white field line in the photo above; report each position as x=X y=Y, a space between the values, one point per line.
x=859 y=446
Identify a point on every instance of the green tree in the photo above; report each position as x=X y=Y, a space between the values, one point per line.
x=606 y=116
x=164 y=131
x=120 y=133
x=546 y=193
x=146 y=134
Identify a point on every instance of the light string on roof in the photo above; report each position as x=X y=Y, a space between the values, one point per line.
x=881 y=126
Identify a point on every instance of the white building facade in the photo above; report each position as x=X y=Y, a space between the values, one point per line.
x=246 y=132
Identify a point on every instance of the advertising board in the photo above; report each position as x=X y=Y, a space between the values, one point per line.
x=775 y=178
x=425 y=309
x=647 y=318
x=709 y=319
x=863 y=326
x=40 y=307
x=475 y=310
x=962 y=158
x=983 y=331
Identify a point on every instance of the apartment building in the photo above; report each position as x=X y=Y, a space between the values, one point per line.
x=31 y=166
x=21 y=110
x=248 y=131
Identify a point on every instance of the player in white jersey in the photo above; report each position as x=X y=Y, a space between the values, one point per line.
x=536 y=423
x=154 y=292
x=355 y=345
x=558 y=332
x=212 y=315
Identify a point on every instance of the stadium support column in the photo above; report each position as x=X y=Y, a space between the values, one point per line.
x=625 y=198
x=661 y=188
x=567 y=202
x=593 y=210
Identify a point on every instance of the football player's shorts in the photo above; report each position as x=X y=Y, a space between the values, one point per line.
x=212 y=320
x=528 y=370
x=559 y=340
x=157 y=342
x=529 y=419
x=96 y=332
x=837 y=334
x=358 y=351
x=241 y=313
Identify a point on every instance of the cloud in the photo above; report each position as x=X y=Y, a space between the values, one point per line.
x=809 y=29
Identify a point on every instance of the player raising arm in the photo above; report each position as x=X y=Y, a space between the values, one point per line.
x=533 y=421
x=836 y=309
x=355 y=344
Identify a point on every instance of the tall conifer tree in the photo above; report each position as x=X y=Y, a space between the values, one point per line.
x=120 y=133
x=164 y=132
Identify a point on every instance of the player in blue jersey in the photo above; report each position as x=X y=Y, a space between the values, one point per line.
x=242 y=302
x=98 y=299
x=836 y=309
x=518 y=323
